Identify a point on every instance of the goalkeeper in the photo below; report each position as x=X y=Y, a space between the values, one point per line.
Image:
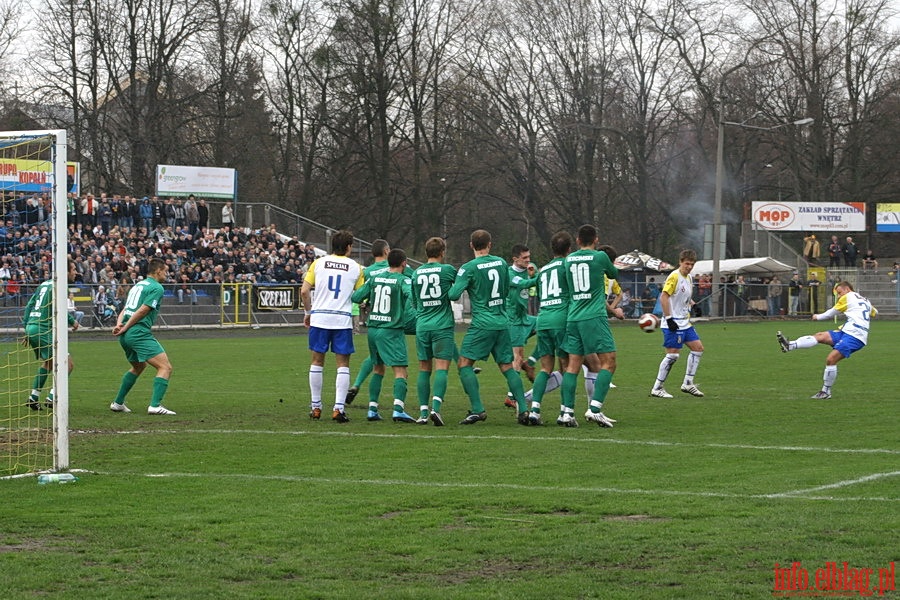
x=38 y=322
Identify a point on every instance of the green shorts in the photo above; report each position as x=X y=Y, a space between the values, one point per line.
x=440 y=344
x=588 y=337
x=41 y=343
x=519 y=334
x=481 y=343
x=139 y=346
x=387 y=346
x=549 y=343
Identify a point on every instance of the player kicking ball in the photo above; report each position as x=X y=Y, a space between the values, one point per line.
x=849 y=338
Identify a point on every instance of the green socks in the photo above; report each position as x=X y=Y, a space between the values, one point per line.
x=128 y=380
x=160 y=386
x=470 y=385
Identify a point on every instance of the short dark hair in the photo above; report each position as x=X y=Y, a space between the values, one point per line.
x=156 y=264
x=480 y=239
x=688 y=254
x=434 y=247
x=587 y=235
x=341 y=242
x=396 y=257
x=518 y=250
x=380 y=248
x=561 y=243
x=610 y=251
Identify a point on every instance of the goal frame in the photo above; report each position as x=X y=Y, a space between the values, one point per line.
x=58 y=193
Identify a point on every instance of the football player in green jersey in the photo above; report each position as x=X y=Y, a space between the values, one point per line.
x=521 y=323
x=588 y=336
x=553 y=300
x=133 y=328
x=486 y=279
x=380 y=249
x=38 y=322
x=435 y=341
x=388 y=295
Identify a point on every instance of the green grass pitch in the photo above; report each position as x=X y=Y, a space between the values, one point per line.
x=242 y=496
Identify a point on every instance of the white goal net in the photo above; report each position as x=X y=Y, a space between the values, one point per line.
x=34 y=390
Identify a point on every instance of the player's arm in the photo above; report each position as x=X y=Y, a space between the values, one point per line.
x=615 y=296
x=306 y=297
x=839 y=307
x=665 y=302
x=28 y=309
x=407 y=298
x=459 y=284
x=414 y=292
x=610 y=269
x=136 y=316
x=362 y=293
x=522 y=283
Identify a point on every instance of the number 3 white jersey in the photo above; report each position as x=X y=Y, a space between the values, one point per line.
x=857 y=310
x=333 y=279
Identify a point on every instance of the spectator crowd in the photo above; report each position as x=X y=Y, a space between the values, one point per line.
x=112 y=238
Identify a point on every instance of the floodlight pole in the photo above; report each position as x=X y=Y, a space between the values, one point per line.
x=717 y=213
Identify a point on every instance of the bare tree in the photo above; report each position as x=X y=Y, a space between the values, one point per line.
x=297 y=48
x=10 y=30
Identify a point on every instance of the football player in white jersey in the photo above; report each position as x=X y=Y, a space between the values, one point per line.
x=676 y=300
x=326 y=293
x=852 y=335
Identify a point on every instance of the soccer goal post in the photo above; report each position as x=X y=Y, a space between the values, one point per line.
x=34 y=435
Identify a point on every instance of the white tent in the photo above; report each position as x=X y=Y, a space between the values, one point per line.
x=744 y=266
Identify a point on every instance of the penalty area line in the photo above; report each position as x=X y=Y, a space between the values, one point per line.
x=834 y=486
x=492 y=485
x=510 y=438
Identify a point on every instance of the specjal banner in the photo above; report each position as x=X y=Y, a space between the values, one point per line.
x=276 y=297
x=810 y=216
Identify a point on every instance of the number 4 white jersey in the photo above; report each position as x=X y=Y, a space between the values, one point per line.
x=333 y=279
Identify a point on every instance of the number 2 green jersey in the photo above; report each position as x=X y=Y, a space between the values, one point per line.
x=585 y=271
x=388 y=295
x=430 y=285
x=553 y=295
x=487 y=281
x=147 y=292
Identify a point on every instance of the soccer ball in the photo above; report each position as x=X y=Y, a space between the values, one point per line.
x=648 y=322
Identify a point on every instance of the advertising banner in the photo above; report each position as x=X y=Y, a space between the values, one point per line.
x=810 y=216
x=209 y=182
x=887 y=217
x=34 y=176
x=276 y=297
